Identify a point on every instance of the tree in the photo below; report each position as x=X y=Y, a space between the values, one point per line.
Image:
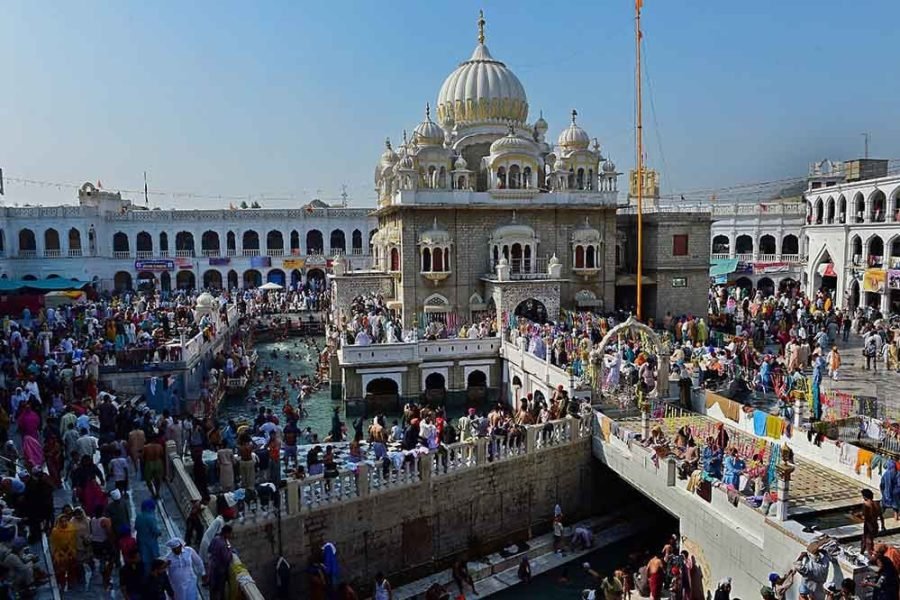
x=243 y=204
x=255 y=205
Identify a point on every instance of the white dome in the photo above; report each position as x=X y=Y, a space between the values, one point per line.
x=574 y=137
x=586 y=234
x=609 y=166
x=435 y=236
x=481 y=89
x=460 y=164
x=428 y=133
x=205 y=300
x=388 y=157
x=540 y=125
x=511 y=142
x=513 y=231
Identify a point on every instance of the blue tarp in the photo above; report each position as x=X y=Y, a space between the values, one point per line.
x=723 y=266
x=42 y=285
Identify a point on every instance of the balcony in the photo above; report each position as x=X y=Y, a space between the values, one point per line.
x=144 y=254
x=27 y=253
x=720 y=255
x=184 y=253
x=790 y=258
x=213 y=253
x=275 y=252
x=250 y=252
x=231 y=252
x=52 y=253
x=744 y=256
x=523 y=268
x=586 y=272
x=74 y=252
x=164 y=254
x=337 y=252
x=767 y=257
x=121 y=254
x=435 y=276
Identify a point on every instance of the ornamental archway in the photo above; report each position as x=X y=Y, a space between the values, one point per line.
x=621 y=389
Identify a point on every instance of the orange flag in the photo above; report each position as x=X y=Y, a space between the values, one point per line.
x=638 y=4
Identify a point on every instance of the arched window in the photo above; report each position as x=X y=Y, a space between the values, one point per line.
x=357 y=241
x=274 y=243
x=437 y=260
x=314 y=242
x=516 y=258
x=878 y=203
x=767 y=244
x=856 y=249
x=829 y=211
x=74 y=242
x=501 y=178
x=579 y=179
x=338 y=242
x=744 y=244
x=209 y=243
x=395 y=259
x=295 y=242
x=442 y=178
x=579 y=257
x=514 y=177
x=51 y=242
x=790 y=245
x=163 y=247
x=860 y=207
x=144 y=244
x=120 y=242
x=526 y=178
x=842 y=209
x=426 y=260
x=231 y=245
x=250 y=243
x=590 y=259
x=721 y=244
x=184 y=244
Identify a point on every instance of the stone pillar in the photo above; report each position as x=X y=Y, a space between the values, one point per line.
x=645 y=420
x=886 y=297
x=670 y=471
x=662 y=376
x=426 y=466
x=798 y=411
x=783 y=471
x=293 y=496
x=362 y=478
x=481 y=451
x=531 y=434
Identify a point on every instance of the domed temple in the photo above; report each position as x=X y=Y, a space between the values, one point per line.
x=478 y=211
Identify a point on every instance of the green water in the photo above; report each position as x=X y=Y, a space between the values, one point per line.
x=318 y=405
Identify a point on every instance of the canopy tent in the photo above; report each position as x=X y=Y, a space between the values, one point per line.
x=723 y=266
x=56 y=299
x=41 y=285
x=271 y=286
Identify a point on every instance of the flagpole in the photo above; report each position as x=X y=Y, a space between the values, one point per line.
x=640 y=161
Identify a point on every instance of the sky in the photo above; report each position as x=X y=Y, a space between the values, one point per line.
x=285 y=101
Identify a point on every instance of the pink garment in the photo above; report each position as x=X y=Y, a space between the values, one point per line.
x=29 y=423
x=34 y=454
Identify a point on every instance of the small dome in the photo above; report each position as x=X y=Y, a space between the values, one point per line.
x=511 y=142
x=388 y=157
x=553 y=261
x=435 y=236
x=574 y=137
x=541 y=125
x=609 y=166
x=586 y=234
x=460 y=164
x=428 y=133
x=513 y=230
x=205 y=300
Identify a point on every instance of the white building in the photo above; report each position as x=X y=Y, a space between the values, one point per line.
x=117 y=245
x=853 y=231
x=759 y=244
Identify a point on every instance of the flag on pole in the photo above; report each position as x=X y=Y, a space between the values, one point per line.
x=638 y=4
x=146 y=195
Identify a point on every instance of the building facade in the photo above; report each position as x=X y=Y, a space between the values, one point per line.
x=853 y=231
x=478 y=211
x=117 y=245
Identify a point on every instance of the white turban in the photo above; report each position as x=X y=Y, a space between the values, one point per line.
x=174 y=543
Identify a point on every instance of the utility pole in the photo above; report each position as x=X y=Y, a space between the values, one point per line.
x=866 y=142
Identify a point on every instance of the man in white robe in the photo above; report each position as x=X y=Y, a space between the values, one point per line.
x=184 y=563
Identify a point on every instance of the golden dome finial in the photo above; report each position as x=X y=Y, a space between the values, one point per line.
x=481 y=26
x=574 y=114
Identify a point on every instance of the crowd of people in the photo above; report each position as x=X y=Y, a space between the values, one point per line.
x=311 y=296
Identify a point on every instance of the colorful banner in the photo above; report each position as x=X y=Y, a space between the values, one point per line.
x=770 y=267
x=894 y=279
x=874 y=280
x=219 y=261
x=156 y=264
x=293 y=263
x=184 y=263
x=261 y=261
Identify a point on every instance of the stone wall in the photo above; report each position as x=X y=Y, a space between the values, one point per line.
x=470 y=230
x=411 y=530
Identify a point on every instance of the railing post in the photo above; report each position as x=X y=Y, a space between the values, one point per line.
x=531 y=439
x=426 y=466
x=481 y=451
x=670 y=471
x=293 y=497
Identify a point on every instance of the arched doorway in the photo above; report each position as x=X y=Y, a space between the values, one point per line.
x=314 y=242
x=721 y=244
x=296 y=277
x=533 y=310
x=786 y=285
x=825 y=275
x=232 y=280
x=766 y=286
x=185 y=280
x=315 y=278
x=744 y=283
x=122 y=281
x=146 y=281
x=382 y=394
x=165 y=282
x=435 y=389
x=252 y=278
x=854 y=295
x=212 y=280
x=476 y=387
x=275 y=276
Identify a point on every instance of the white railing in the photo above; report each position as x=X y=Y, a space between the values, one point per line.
x=418 y=351
x=164 y=254
x=184 y=254
x=121 y=254
x=144 y=254
x=745 y=257
x=231 y=252
x=720 y=255
x=27 y=254
x=214 y=252
x=250 y=252
x=767 y=257
x=52 y=253
x=275 y=252
x=790 y=258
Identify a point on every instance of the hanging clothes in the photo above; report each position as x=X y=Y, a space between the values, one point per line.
x=773 y=427
x=759 y=423
x=864 y=458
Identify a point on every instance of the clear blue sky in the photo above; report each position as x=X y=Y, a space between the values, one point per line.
x=293 y=97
